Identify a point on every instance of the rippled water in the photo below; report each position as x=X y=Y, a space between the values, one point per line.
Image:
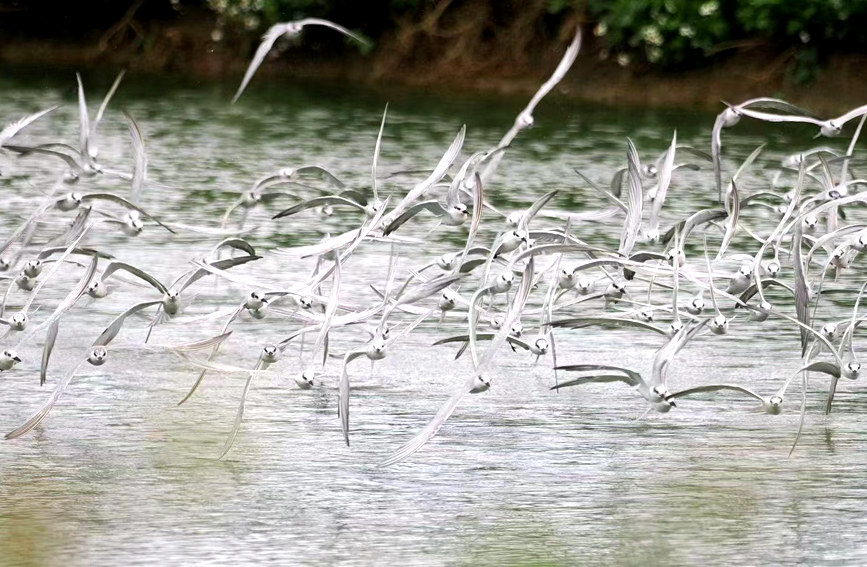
x=119 y=474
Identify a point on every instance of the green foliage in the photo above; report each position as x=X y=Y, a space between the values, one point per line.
x=672 y=33
x=806 y=21
x=683 y=32
x=669 y=32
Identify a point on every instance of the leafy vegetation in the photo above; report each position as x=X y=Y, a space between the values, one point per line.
x=668 y=33
x=686 y=32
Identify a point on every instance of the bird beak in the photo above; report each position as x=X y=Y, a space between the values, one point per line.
x=17 y=359
x=674 y=405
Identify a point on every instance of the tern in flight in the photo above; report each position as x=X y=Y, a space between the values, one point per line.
x=288 y=29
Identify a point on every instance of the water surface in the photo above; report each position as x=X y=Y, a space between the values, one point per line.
x=119 y=474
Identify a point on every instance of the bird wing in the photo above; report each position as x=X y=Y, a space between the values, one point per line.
x=12 y=129
x=732 y=224
x=802 y=297
x=25 y=150
x=562 y=68
x=535 y=208
x=195 y=275
x=137 y=272
x=105 y=102
x=111 y=197
x=376 y=151
x=328 y=245
x=260 y=365
x=73 y=296
x=828 y=368
x=716 y=388
x=433 y=426
x=54 y=268
x=140 y=166
x=335 y=27
x=268 y=40
x=776 y=104
x=854 y=113
x=777 y=118
x=438 y=172
x=664 y=182
x=629 y=376
x=426 y=289
x=40 y=414
x=634 y=202
x=433 y=207
x=343 y=393
x=116 y=325
x=84 y=121
x=234 y=315
x=322 y=172
x=581 y=322
x=47 y=348
x=330 y=308
x=237 y=244
x=317 y=202
x=665 y=355
x=512 y=315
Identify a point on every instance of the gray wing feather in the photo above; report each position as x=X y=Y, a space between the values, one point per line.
x=268 y=40
x=37 y=417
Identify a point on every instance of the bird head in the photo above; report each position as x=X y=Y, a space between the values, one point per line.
x=376 y=349
x=270 y=353
x=18 y=321
x=504 y=282
x=830 y=129
x=305 y=380
x=525 y=120
x=775 y=404
x=661 y=392
x=12 y=355
x=645 y=315
x=517 y=329
x=447 y=300
x=33 y=268
x=584 y=286
x=480 y=384
x=98 y=355
x=514 y=219
x=447 y=261
x=719 y=325
x=255 y=300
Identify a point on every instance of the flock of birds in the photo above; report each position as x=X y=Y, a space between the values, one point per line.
x=681 y=282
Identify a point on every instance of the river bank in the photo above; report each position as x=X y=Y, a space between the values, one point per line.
x=188 y=46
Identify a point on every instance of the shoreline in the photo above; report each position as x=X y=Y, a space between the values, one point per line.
x=184 y=47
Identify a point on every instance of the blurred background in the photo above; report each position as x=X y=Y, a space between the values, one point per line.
x=636 y=52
